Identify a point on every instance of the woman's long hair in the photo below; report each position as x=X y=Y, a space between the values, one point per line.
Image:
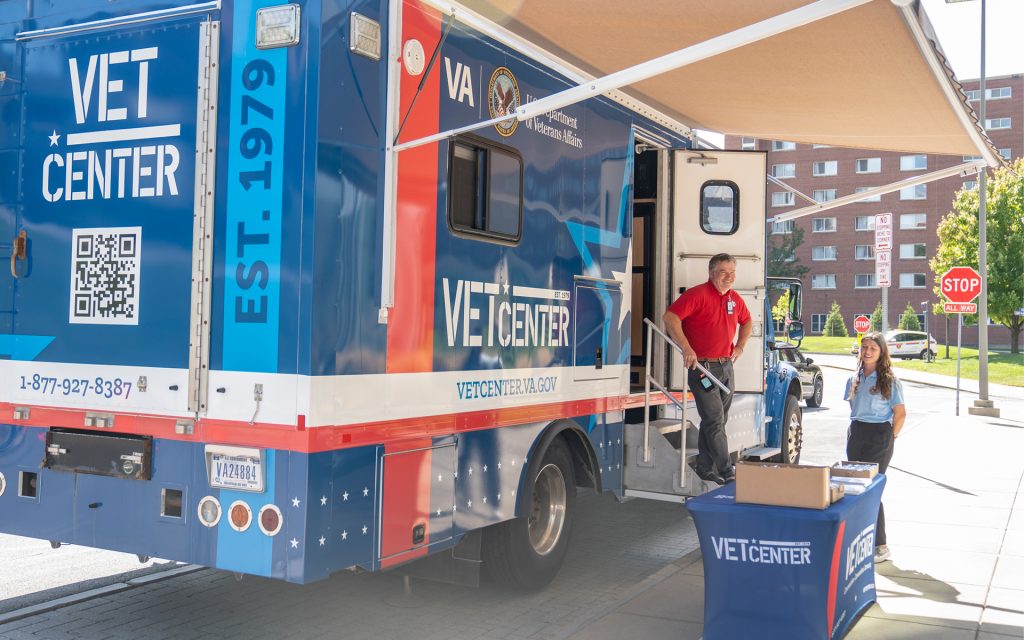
x=884 y=376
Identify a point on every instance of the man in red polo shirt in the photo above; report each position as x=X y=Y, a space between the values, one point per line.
x=703 y=321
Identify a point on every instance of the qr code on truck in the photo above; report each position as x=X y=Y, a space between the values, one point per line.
x=105 y=275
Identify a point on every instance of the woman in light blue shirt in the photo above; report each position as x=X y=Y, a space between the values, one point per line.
x=877 y=414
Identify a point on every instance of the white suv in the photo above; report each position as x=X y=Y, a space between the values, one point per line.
x=906 y=344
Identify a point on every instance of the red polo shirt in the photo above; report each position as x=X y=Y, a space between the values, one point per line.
x=707 y=322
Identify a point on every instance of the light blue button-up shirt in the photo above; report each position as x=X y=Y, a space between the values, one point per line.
x=872 y=407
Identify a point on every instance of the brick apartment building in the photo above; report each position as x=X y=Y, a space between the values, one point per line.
x=838 y=244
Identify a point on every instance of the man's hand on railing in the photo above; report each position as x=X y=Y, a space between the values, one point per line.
x=689 y=357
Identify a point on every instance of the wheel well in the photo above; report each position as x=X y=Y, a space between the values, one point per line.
x=794 y=388
x=584 y=459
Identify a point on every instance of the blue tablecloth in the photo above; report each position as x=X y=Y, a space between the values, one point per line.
x=785 y=573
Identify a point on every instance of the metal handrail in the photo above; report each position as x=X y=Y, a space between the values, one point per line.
x=649 y=380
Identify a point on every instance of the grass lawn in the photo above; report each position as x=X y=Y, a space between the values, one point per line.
x=1003 y=368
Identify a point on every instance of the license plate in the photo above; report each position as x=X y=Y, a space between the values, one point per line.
x=242 y=473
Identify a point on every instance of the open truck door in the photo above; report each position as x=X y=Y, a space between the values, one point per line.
x=718 y=207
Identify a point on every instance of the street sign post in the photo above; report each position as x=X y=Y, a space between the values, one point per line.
x=960 y=285
x=883 y=262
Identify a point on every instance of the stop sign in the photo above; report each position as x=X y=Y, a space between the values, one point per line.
x=961 y=284
x=862 y=324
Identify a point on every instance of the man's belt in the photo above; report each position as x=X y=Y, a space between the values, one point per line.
x=715 y=360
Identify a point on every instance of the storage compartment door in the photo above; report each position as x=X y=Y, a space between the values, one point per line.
x=597 y=353
x=718 y=207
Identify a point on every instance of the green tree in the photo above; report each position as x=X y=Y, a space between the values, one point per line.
x=958 y=245
x=909 y=321
x=782 y=261
x=876 y=318
x=781 y=308
x=834 y=325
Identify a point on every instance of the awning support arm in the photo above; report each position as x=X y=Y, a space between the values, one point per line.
x=669 y=62
x=785 y=186
x=965 y=169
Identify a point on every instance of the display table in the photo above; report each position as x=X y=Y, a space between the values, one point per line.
x=786 y=573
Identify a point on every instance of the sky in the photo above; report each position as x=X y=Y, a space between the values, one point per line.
x=958 y=27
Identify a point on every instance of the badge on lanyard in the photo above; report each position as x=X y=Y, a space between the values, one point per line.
x=730 y=306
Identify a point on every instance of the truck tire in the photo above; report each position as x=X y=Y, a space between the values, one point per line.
x=526 y=553
x=818 y=393
x=792 y=431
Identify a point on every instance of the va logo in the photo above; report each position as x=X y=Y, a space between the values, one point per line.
x=503 y=99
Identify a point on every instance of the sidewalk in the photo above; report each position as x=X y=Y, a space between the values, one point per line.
x=956 y=530
x=846 y=362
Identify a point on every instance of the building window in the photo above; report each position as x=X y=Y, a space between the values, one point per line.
x=818 y=322
x=719 y=207
x=821 y=146
x=972 y=158
x=784 y=226
x=823 y=253
x=913 y=220
x=997 y=123
x=864 y=223
x=913 y=163
x=823 y=281
x=784 y=170
x=1006 y=153
x=864 y=281
x=970 y=185
x=864 y=252
x=973 y=95
x=913 y=251
x=917 y=192
x=485 y=193
x=875 y=198
x=824 y=225
x=782 y=199
x=824 y=195
x=748 y=143
x=912 y=281
x=825 y=168
x=782 y=145
x=869 y=165
x=998 y=93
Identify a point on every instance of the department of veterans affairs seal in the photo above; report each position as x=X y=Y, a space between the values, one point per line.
x=503 y=99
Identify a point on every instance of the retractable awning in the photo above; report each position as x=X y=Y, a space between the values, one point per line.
x=868 y=74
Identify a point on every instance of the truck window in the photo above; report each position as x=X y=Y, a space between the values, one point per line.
x=719 y=207
x=485 y=190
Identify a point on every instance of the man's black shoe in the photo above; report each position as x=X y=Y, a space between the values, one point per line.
x=709 y=476
x=729 y=475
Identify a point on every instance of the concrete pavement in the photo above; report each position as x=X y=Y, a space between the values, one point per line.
x=955 y=521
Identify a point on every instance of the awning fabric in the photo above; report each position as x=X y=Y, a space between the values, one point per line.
x=860 y=78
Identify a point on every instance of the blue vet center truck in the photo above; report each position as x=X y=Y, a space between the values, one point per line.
x=279 y=307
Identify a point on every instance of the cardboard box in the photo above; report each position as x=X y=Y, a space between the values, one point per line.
x=849 y=469
x=783 y=485
x=838 y=491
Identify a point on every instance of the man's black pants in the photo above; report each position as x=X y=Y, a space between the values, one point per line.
x=713 y=408
x=872 y=442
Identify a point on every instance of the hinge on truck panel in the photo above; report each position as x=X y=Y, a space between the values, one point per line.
x=202 y=228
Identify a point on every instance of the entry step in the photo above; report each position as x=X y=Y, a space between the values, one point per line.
x=761 y=453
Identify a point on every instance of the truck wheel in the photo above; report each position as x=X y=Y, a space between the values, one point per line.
x=527 y=552
x=792 y=431
x=816 y=396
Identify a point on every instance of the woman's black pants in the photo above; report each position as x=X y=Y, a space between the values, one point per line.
x=872 y=442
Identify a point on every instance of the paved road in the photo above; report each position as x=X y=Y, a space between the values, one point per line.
x=617 y=551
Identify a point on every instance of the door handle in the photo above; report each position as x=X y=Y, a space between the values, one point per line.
x=18 y=252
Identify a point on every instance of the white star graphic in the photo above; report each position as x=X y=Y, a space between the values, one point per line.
x=601 y=445
x=438 y=513
x=344 y=496
x=440 y=477
x=454 y=507
x=323 y=541
x=296 y=501
x=513 y=462
x=323 y=501
x=499 y=496
x=469 y=504
x=485 y=499
x=366 y=491
x=505 y=286
x=344 y=535
x=524 y=460
x=54 y=137
x=471 y=471
x=295 y=543
x=485 y=468
x=499 y=464
x=364 y=529
x=456 y=475
x=625 y=277
x=513 y=492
